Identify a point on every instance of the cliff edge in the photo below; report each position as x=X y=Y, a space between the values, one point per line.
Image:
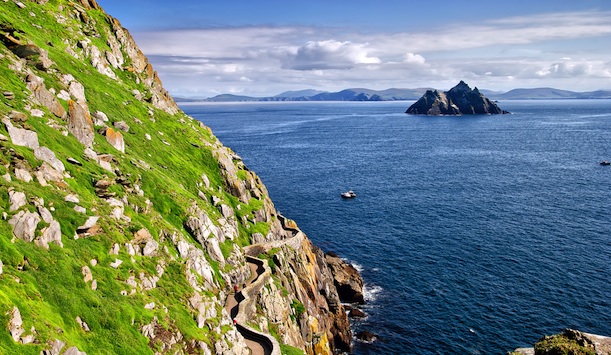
x=125 y=224
x=460 y=100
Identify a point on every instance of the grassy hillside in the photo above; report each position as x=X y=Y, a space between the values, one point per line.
x=167 y=171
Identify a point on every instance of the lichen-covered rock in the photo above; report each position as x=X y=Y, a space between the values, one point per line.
x=115 y=139
x=79 y=123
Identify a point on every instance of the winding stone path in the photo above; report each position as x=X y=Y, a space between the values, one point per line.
x=258 y=343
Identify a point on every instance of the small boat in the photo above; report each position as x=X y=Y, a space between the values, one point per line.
x=348 y=194
x=605 y=162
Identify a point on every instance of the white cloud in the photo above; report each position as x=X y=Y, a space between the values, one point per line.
x=411 y=58
x=550 y=48
x=328 y=54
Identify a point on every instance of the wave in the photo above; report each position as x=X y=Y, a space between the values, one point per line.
x=371 y=292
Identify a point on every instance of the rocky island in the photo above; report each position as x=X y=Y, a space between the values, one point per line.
x=460 y=100
x=127 y=227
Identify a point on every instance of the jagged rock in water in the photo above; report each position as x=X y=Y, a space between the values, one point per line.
x=460 y=100
x=366 y=336
x=347 y=280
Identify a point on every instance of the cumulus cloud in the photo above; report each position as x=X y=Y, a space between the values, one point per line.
x=329 y=54
x=544 y=47
x=411 y=58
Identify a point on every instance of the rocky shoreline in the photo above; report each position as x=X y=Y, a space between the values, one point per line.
x=570 y=341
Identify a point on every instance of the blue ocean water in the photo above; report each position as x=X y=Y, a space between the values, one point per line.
x=475 y=234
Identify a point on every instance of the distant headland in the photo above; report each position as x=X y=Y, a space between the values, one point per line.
x=396 y=94
x=459 y=100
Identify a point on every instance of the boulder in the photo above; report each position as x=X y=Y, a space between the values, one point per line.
x=50 y=234
x=366 y=336
x=47 y=155
x=15 y=324
x=80 y=124
x=46 y=98
x=347 y=280
x=121 y=125
x=16 y=199
x=357 y=313
x=100 y=118
x=21 y=137
x=460 y=100
x=24 y=225
x=115 y=139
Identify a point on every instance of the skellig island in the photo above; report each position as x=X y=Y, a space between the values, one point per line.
x=459 y=100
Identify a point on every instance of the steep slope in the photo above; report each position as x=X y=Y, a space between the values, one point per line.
x=126 y=223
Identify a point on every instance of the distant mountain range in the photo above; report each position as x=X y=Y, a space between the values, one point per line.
x=360 y=94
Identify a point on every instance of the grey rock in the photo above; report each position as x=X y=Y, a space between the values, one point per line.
x=51 y=234
x=1 y=265
x=21 y=137
x=77 y=90
x=72 y=198
x=48 y=173
x=80 y=124
x=46 y=98
x=23 y=175
x=74 y=351
x=366 y=336
x=16 y=199
x=47 y=155
x=45 y=213
x=15 y=324
x=122 y=126
x=24 y=225
x=150 y=248
x=115 y=139
x=82 y=324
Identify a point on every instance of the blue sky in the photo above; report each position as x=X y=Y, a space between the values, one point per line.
x=265 y=47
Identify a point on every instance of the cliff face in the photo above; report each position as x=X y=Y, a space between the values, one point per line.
x=459 y=100
x=126 y=223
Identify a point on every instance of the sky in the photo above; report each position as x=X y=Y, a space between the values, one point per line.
x=202 y=48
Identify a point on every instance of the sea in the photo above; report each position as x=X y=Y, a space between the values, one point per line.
x=473 y=234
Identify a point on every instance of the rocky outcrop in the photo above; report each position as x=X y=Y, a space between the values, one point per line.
x=346 y=278
x=569 y=342
x=460 y=100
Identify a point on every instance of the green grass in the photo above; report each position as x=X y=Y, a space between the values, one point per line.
x=49 y=289
x=561 y=345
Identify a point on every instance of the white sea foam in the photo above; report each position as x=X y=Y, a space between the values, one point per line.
x=371 y=292
x=358 y=267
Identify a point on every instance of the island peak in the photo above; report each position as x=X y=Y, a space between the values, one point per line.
x=459 y=100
